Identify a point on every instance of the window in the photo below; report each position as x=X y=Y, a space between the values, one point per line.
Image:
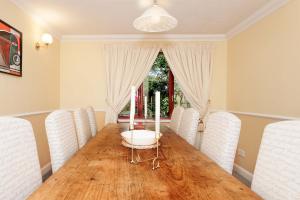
x=160 y=78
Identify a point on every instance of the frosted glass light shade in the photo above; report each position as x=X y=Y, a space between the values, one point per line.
x=155 y=19
x=47 y=38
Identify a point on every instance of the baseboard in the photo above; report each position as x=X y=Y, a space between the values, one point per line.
x=46 y=168
x=243 y=172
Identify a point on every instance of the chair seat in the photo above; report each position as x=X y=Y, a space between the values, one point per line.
x=61 y=136
x=92 y=120
x=20 y=172
x=220 y=138
x=176 y=118
x=277 y=171
x=82 y=126
x=189 y=125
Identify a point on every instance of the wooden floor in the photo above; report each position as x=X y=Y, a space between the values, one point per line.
x=101 y=170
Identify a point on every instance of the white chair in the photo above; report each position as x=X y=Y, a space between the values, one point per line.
x=82 y=126
x=176 y=118
x=20 y=172
x=277 y=170
x=92 y=120
x=61 y=136
x=189 y=125
x=220 y=139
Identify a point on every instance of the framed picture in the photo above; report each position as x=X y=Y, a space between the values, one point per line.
x=10 y=50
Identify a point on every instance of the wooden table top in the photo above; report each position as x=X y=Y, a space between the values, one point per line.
x=102 y=170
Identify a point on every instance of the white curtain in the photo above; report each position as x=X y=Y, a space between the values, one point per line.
x=191 y=64
x=127 y=64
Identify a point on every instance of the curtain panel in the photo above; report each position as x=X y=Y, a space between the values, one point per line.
x=191 y=64
x=127 y=65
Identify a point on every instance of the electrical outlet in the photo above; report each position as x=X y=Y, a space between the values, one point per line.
x=242 y=153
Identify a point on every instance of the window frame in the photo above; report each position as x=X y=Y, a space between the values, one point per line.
x=140 y=99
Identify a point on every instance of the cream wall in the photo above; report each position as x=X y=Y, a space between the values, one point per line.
x=219 y=79
x=250 y=138
x=82 y=75
x=38 y=89
x=38 y=124
x=263 y=75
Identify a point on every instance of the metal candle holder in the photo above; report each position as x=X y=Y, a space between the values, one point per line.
x=137 y=160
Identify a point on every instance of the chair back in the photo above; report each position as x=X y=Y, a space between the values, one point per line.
x=189 y=125
x=20 y=172
x=220 y=138
x=176 y=118
x=277 y=171
x=61 y=136
x=92 y=120
x=82 y=126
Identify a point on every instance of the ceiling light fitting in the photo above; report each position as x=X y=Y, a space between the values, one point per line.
x=155 y=19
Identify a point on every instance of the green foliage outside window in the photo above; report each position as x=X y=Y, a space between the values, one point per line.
x=157 y=80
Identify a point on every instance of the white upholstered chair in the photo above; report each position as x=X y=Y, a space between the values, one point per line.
x=82 y=126
x=176 y=118
x=92 y=120
x=277 y=170
x=189 y=125
x=220 y=138
x=61 y=135
x=20 y=172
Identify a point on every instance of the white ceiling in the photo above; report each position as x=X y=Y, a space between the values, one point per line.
x=97 y=17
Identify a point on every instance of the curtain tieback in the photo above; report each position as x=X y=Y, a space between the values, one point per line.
x=202 y=120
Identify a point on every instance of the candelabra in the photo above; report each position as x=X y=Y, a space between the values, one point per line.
x=138 y=159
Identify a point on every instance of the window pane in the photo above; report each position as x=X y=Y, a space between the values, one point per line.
x=126 y=110
x=158 y=80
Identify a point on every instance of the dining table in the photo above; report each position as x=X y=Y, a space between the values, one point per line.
x=102 y=170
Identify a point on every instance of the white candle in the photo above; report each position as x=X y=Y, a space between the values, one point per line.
x=132 y=107
x=145 y=109
x=157 y=114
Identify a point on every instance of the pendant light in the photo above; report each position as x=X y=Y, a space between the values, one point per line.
x=155 y=19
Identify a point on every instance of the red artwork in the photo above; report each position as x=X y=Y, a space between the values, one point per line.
x=10 y=50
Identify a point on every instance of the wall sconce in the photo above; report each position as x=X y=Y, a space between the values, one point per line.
x=46 y=40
